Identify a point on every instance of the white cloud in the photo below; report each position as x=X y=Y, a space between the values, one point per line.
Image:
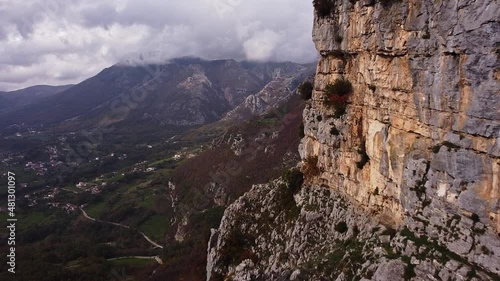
x=58 y=42
x=262 y=45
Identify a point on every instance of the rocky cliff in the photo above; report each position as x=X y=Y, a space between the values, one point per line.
x=415 y=149
x=424 y=107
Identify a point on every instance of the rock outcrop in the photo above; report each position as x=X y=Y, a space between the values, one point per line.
x=321 y=234
x=276 y=92
x=417 y=148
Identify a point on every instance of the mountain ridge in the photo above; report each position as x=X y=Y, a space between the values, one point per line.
x=11 y=100
x=203 y=89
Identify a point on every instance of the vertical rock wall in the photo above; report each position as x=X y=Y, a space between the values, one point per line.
x=425 y=108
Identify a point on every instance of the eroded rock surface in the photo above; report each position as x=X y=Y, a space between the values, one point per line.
x=417 y=151
x=321 y=234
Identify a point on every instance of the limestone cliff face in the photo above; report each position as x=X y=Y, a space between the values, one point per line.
x=418 y=150
x=425 y=108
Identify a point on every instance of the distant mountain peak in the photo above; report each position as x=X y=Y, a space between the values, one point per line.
x=188 y=91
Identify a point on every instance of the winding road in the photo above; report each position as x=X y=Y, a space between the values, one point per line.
x=69 y=190
x=156 y=258
x=156 y=245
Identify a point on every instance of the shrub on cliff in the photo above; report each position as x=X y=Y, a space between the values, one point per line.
x=310 y=167
x=337 y=95
x=305 y=90
x=364 y=157
x=294 y=179
x=302 y=134
x=340 y=87
x=237 y=247
x=334 y=131
x=341 y=227
x=323 y=7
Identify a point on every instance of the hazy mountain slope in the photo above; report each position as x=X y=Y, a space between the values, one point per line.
x=9 y=101
x=184 y=92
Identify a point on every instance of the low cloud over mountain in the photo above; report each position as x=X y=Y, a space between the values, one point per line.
x=60 y=42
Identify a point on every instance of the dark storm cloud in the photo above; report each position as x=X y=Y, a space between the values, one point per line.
x=59 y=42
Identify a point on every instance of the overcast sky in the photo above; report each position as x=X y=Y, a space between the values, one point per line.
x=58 y=42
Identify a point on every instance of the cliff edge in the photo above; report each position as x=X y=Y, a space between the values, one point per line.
x=401 y=154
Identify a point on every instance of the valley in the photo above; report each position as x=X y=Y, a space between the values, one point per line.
x=137 y=198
